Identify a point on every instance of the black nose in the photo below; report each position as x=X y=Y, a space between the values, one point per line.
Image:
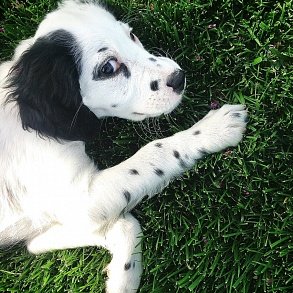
x=176 y=80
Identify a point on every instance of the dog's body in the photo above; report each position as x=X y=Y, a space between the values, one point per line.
x=82 y=64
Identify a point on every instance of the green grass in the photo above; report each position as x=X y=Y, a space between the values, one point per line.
x=225 y=226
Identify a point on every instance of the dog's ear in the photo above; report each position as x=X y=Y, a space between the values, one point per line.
x=45 y=84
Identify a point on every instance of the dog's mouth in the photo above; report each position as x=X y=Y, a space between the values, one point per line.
x=138 y=116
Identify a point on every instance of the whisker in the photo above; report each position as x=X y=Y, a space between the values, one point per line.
x=147 y=127
x=129 y=18
x=138 y=134
x=157 y=127
x=162 y=131
x=75 y=116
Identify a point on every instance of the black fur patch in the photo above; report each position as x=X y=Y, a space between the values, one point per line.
x=45 y=84
x=154 y=85
x=197 y=132
x=127 y=266
x=127 y=196
x=133 y=172
x=181 y=161
x=153 y=59
x=235 y=114
x=176 y=154
x=158 y=144
x=159 y=172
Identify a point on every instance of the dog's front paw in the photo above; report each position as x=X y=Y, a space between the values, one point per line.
x=222 y=128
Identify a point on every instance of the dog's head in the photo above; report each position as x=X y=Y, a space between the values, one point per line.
x=84 y=64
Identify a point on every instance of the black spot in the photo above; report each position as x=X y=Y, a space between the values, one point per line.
x=127 y=266
x=176 y=154
x=153 y=59
x=154 y=85
x=103 y=49
x=159 y=172
x=158 y=144
x=114 y=106
x=181 y=162
x=197 y=132
x=133 y=172
x=203 y=152
x=235 y=114
x=133 y=264
x=246 y=119
x=137 y=113
x=127 y=195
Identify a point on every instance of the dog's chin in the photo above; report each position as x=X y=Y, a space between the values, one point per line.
x=139 y=116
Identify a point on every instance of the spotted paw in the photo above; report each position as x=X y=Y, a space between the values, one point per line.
x=222 y=128
x=124 y=279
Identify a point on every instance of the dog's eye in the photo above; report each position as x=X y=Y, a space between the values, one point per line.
x=132 y=36
x=110 y=67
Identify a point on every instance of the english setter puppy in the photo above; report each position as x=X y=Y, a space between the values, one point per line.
x=82 y=64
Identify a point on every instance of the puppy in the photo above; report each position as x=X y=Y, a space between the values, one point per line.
x=82 y=64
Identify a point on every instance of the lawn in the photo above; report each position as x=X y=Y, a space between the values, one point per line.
x=226 y=225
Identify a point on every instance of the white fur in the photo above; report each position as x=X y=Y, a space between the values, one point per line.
x=53 y=196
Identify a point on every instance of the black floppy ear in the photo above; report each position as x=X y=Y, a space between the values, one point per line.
x=45 y=84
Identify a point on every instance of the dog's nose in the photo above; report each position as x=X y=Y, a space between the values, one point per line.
x=176 y=80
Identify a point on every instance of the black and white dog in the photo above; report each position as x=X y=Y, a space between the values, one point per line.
x=83 y=64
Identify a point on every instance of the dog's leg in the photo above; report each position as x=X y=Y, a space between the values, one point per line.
x=117 y=190
x=65 y=236
x=125 y=269
x=121 y=238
